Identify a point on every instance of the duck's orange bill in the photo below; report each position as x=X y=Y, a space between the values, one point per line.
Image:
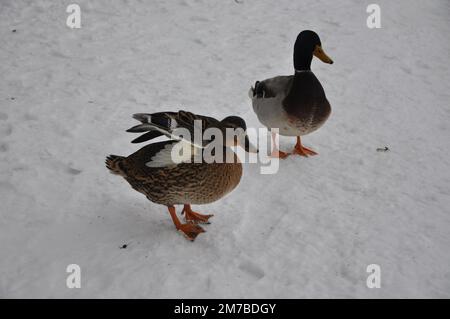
x=319 y=53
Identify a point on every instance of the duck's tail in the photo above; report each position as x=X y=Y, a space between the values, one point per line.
x=166 y=123
x=113 y=163
x=156 y=124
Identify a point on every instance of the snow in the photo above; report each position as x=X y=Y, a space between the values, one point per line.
x=67 y=96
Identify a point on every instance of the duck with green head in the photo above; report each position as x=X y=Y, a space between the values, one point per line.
x=295 y=104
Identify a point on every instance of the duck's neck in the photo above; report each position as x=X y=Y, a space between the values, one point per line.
x=297 y=72
x=302 y=61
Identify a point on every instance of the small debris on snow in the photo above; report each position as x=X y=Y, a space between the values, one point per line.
x=383 y=149
x=123 y=246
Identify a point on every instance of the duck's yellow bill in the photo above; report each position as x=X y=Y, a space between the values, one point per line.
x=320 y=54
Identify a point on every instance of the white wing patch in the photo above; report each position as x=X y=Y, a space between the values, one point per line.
x=173 y=154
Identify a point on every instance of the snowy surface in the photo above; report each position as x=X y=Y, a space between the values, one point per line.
x=66 y=97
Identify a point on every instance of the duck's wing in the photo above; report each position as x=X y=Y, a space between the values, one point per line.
x=267 y=100
x=139 y=168
x=271 y=88
x=169 y=125
x=167 y=154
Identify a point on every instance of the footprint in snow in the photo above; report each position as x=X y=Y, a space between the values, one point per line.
x=6 y=130
x=73 y=171
x=4 y=147
x=252 y=269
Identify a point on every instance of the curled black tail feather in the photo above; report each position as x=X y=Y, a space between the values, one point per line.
x=162 y=119
x=165 y=123
x=147 y=136
x=113 y=163
x=155 y=124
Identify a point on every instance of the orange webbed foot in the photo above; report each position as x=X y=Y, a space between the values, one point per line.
x=190 y=231
x=303 y=151
x=195 y=218
x=279 y=154
x=299 y=149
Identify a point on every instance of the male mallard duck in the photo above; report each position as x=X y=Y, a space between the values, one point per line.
x=294 y=104
x=170 y=177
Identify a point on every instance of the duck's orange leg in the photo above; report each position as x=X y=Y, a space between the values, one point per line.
x=193 y=217
x=190 y=231
x=299 y=149
x=276 y=152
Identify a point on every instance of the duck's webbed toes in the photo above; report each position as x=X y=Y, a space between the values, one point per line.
x=279 y=154
x=196 y=218
x=303 y=151
x=190 y=231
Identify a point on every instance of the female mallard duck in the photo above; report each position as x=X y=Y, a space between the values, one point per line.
x=170 y=177
x=294 y=104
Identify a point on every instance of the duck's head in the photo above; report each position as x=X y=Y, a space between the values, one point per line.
x=308 y=44
x=235 y=130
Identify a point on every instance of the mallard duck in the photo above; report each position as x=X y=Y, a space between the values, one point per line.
x=170 y=177
x=295 y=104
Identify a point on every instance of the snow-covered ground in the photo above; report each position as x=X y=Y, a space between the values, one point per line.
x=66 y=97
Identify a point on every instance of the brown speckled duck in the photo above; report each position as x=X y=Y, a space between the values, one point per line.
x=295 y=104
x=182 y=180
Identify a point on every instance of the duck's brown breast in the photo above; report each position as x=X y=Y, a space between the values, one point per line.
x=185 y=183
x=190 y=183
